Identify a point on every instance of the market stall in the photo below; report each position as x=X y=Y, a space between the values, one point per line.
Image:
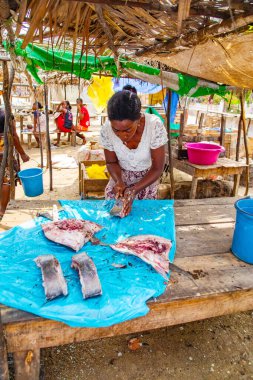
x=218 y=284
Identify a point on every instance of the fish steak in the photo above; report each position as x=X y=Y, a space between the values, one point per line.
x=88 y=275
x=53 y=281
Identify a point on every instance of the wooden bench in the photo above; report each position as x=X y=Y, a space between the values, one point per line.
x=223 y=285
x=223 y=167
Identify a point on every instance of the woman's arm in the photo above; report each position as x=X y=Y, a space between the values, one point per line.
x=158 y=161
x=114 y=169
x=18 y=146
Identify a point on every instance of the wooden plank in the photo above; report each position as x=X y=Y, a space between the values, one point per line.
x=204 y=214
x=194 y=240
x=4 y=371
x=25 y=336
x=214 y=274
x=27 y=364
x=206 y=201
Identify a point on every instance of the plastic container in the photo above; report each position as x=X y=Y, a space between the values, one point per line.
x=242 y=245
x=203 y=153
x=32 y=181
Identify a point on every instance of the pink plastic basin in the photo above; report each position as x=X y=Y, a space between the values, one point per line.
x=203 y=153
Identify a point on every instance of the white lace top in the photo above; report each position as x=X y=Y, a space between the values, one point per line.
x=154 y=136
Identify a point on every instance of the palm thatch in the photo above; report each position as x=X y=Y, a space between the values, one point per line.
x=174 y=32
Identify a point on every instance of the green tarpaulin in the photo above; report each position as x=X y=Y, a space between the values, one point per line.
x=39 y=57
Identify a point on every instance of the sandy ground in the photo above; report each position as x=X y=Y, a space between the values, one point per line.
x=219 y=348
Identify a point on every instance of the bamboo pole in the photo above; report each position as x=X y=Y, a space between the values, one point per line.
x=8 y=130
x=243 y=119
x=172 y=185
x=49 y=160
x=38 y=125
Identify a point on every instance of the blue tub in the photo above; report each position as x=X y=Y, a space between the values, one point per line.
x=242 y=245
x=32 y=181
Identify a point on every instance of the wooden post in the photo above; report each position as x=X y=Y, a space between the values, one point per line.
x=38 y=125
x=222 y=130
x=201 y=121
x=181 y=130
x=243 y=118
x=4 y=371
x=238 y=142
x=8 y=143
x=27 y=365
x=169 y=144
x=49 y=160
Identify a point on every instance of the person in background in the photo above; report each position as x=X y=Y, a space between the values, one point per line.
x=83 y=115
x=64 y=121
x=39 y=123
x=134 y=147
x=5 y=196
x=130 y=88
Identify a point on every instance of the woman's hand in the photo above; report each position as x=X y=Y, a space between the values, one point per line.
x=25 y=157
x=119 y=189
x=128 y=199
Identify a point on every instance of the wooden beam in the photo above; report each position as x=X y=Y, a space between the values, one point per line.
x=27 y=336
x=188 y=40
x=4 y=10
x=106 y=29
x=151 y=5
x=183 y=12
x=21 y=16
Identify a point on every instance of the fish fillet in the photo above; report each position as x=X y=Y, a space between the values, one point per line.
x=73 y=233
x=88 y=275
x=152 y=249
x=53 y=281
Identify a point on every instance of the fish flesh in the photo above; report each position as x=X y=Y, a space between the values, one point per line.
x=152 y=249
x=117 y=208
x=53 y=280
x=88 y=275
x=73 y=233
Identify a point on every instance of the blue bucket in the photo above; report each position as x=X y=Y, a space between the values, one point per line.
x=242 y=245
x=32 y=181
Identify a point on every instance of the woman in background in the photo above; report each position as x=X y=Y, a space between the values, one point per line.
x=64 y=121
x=5 y=195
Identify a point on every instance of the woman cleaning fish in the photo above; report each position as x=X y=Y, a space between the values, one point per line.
x=134 y=146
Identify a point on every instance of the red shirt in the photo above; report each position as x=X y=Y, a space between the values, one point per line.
x=85 y=122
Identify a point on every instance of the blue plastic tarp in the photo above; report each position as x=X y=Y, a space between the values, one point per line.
x=141 y=86
x=125 y=290
x=173 y=105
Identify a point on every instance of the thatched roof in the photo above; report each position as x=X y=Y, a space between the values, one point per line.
x=174 y=32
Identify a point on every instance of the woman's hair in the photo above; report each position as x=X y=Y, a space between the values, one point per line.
x=124 y=105
x=68 y=104
x=129 y=87
x=38 y=104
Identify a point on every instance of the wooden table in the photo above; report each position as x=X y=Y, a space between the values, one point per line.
x=223 y=284
x=223 y=167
